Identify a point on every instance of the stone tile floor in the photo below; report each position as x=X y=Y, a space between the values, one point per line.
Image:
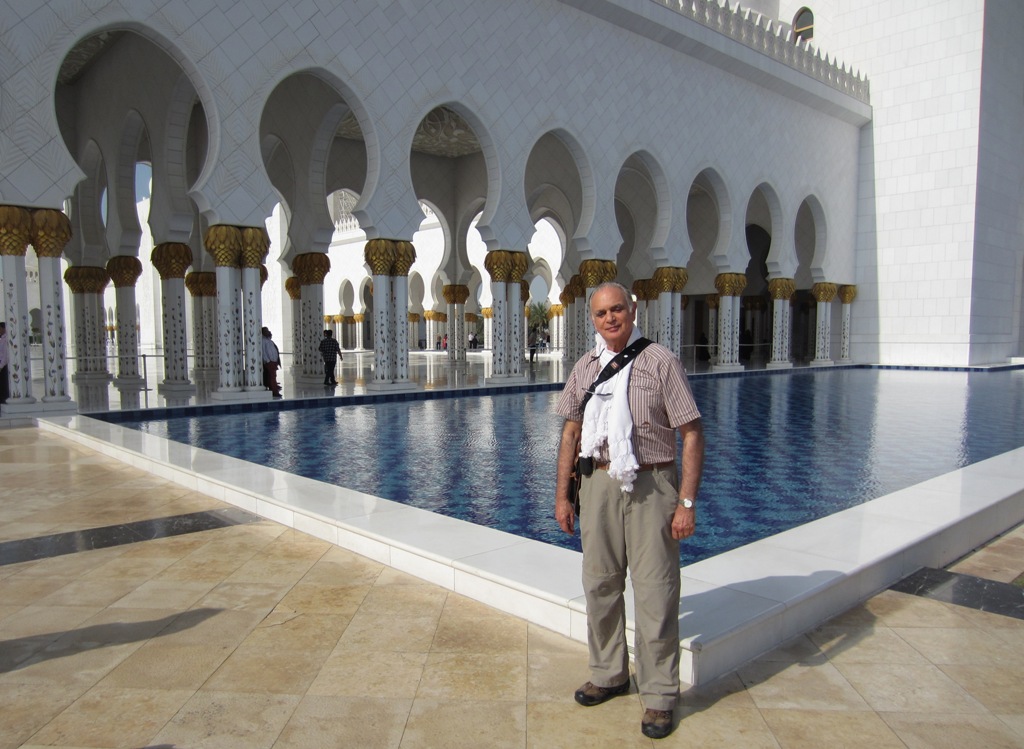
x=254 y=635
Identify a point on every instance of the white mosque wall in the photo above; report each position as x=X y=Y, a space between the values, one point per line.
x=938 y=275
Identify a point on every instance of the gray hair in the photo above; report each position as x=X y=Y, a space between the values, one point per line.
x=626 y=293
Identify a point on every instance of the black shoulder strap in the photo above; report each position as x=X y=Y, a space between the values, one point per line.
x=621 y=359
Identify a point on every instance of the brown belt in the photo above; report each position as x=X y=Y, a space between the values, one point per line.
x=644 y=467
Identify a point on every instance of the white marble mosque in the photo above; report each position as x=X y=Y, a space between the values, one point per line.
x=837 y=182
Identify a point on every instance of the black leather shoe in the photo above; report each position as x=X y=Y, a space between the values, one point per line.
x=590 y=694
x=656 y=724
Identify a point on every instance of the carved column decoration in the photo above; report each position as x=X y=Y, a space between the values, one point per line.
x=254 y=249
x=380 y=256
x=824 y=294
x=846 y=295
x=224 y=243
x=405 y=256
x=311 y=268
x=87 y=285
x=124 y=271
x=172 y=260
x=51 y=231
x=15 y=233
x=781 y=291
x=498 y=263
x=730 y=287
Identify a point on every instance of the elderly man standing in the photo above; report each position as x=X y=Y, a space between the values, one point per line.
x=634 y=509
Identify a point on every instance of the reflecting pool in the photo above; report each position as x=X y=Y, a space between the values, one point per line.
x=782 y=448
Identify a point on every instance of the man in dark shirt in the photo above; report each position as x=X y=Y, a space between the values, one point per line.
x=331 y=352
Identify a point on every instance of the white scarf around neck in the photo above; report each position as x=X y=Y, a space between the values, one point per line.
x=608 y=420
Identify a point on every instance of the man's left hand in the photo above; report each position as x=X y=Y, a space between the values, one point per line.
x=684 y=522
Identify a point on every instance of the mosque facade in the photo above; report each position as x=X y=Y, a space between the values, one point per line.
x=839 y=182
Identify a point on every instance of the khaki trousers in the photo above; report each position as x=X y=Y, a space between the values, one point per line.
x=632 y=530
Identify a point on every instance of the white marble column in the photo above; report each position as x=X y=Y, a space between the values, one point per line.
x=846 y=294
x=51 y=231
x=781 y=290
x=87 y=285
x=17 y=226
x=124 y=271
x=730 y=286
x=823 y=293
x=172 y=260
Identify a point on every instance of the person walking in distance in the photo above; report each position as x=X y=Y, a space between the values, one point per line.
x=271 y=363
x=331 y=352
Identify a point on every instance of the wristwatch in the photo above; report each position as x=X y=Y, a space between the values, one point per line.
x=687 y=503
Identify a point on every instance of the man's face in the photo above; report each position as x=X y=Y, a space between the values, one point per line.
x=612 y=313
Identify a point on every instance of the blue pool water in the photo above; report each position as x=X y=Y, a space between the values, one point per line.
x=782 y=449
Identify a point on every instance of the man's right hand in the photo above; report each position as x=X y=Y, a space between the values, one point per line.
x=565 y=516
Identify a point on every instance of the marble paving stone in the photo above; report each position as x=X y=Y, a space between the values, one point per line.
x=113 y=717
x=865 y=645
x=553 y=677
x=386 y=633
x=285 y=629
x=467 y=723
x=725 y=692
x=325 y=599
x=742 y=728
x=367 y=722
x=810 y=729
x=790 y=686
x=222 y=627
x=252 y=596
x=951 y=731
x=162 y=594
x=404 y=600
x=902 y=687
x=999 y=688
x=33 y=621
x=159 y=665
x=255 y=669
x=469 y=676
x=228 y=720
x=960 y=645
x=27 y=708
x=903 y=610
x=616 y=723
x=367 y=673
x=43 y=591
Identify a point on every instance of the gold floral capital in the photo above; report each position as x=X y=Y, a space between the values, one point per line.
x=593 y=273
x=171 y=259
x=311 y=268
x=661 y=281
x=379 y=254
x=405 y=256
x=15 y=230
x=730 y=284
x=782 y=288
x=847 y=294
x=712 y=301
x=557 y=310
x=201 y=283
x=224 y=243
x=524 y=291
x=293 y=287
x=358 y=318
x=520 y=262
x=255 y=246
x=824 y=292
x=414 y=317
x=85 y=279
x=680 y=276
x=51 y=231
x=498 y=263
x=487 y=313
x=124 y=270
